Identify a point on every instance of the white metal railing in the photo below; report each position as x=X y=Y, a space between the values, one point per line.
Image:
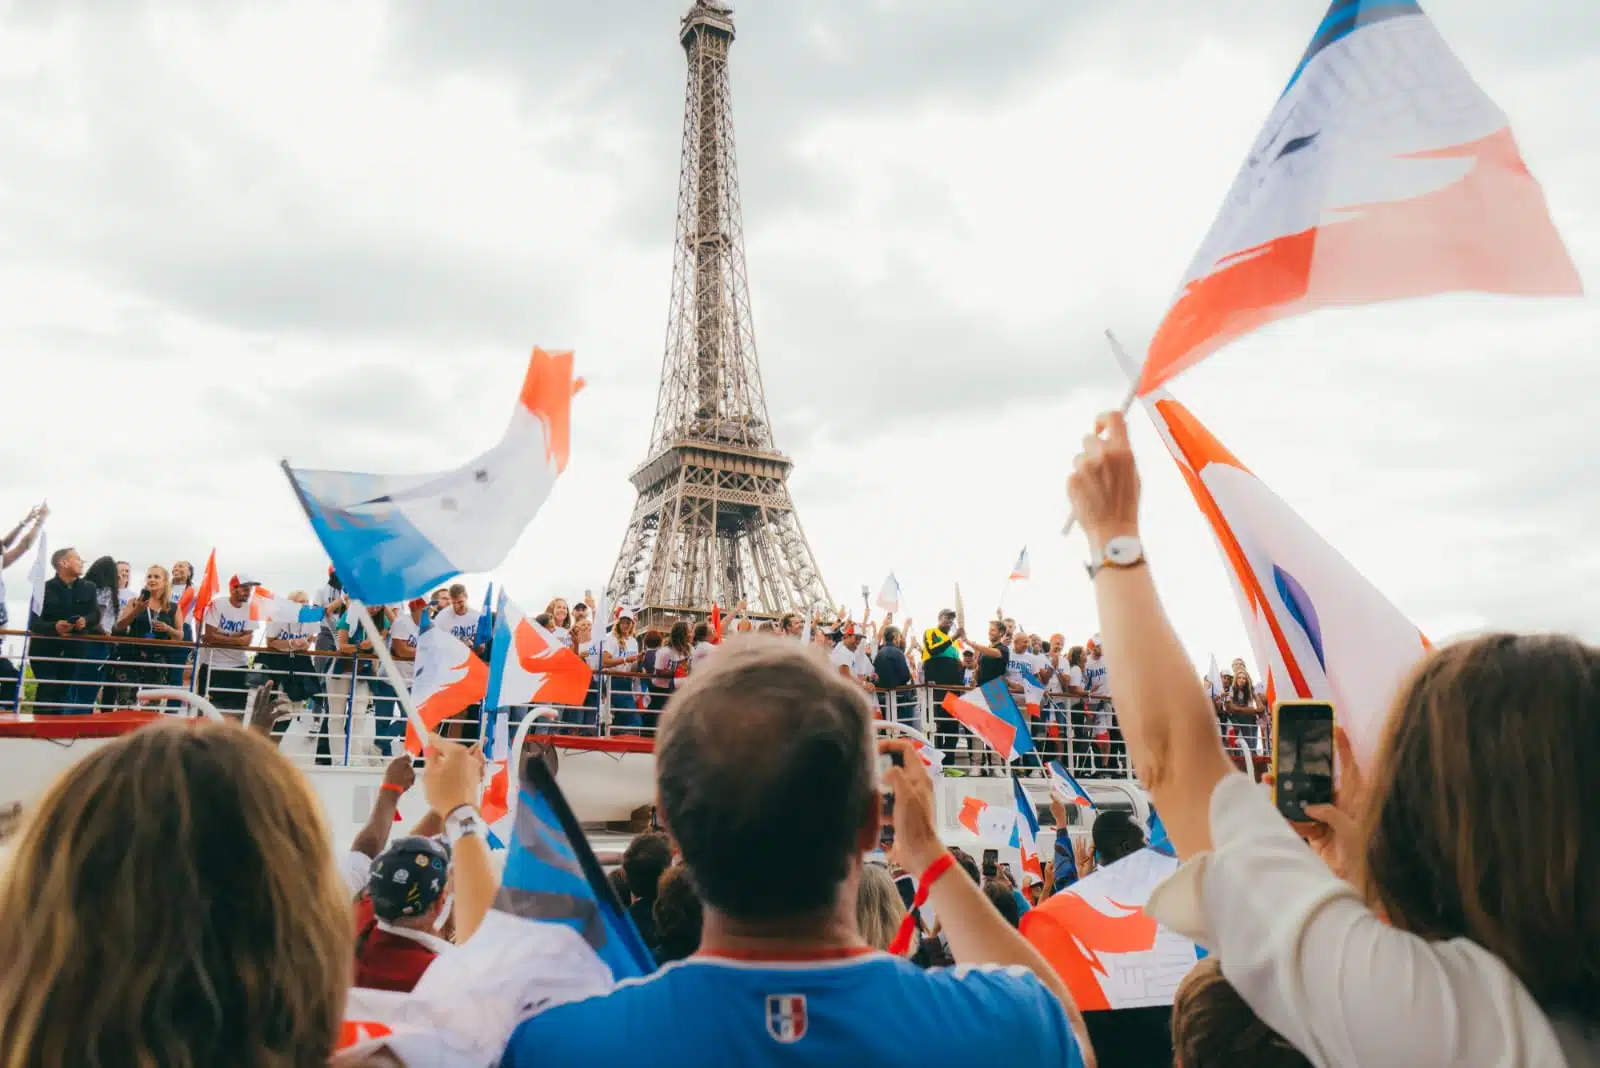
x=346 y=715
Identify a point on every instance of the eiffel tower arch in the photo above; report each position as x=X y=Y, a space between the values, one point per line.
x=714 y=521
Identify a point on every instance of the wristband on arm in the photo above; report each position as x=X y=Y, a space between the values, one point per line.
x=908 y=925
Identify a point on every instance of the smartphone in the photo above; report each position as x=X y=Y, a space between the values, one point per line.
x=886 y=823
x=991 y=863
x=1302 y=756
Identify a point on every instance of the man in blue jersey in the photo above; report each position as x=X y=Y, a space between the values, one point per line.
x=766 y=779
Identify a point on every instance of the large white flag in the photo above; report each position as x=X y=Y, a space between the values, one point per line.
x=1317 y=627
x=889 y=595
x=1383 y=172
x=530 y=665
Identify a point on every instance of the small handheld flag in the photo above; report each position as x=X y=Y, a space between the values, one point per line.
x=1066 y=789
x=447 y=681
x=39 y=573
x=1023 y=569
x=889 y=595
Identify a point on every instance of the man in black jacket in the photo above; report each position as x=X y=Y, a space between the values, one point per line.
x=893 y=672
x=69 y=611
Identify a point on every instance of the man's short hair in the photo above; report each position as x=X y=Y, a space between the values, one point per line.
x=60 y=555
x=1116 y=835
x=765 y=771
x=458 y=590
x=646 y=857
x=943 y=612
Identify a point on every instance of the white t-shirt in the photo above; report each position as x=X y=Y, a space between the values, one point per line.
x=618 y=649
x=842 y=657
x=668 y=658
x=126 y=594
x=403 y=630
x=1015 y=662
x=1096 y=680
x=864 y=667
x=288 y=632
x=222 y=615
x=701 y=651
x=590 y=652
x=464 y=625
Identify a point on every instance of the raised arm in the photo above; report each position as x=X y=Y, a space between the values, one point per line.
x=1170 y=727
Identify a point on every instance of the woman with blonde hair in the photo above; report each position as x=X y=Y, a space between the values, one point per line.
x=879 y=909
x=1468 y=933
x=173 y=901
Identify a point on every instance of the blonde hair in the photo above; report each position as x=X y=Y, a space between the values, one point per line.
x=166 y=586
x=879 y=909
x=173 y=902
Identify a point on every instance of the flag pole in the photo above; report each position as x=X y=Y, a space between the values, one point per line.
x=402 y=689
x=1126 y=406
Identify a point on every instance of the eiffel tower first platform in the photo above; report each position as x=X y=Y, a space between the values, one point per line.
x=714 y=522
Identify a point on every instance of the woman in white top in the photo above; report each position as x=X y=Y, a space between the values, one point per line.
x=620 y=653
x=1469 y=933
x=560 y=618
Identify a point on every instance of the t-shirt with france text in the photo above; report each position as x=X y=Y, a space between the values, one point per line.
x=858 y=1007
x=222 y=615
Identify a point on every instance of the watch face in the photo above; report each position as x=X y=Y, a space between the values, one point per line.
x=1123 y=550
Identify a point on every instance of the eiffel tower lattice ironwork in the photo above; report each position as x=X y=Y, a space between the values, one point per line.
x=714 y=522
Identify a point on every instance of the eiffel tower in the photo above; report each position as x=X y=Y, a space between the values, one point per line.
x=714 y=522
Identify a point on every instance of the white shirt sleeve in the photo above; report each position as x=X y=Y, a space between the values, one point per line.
x=355 y=869
x=1305 y=952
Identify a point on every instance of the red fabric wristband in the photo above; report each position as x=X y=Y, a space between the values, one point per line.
x=396 y=787
x=908 y=925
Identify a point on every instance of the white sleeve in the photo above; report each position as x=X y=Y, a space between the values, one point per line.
x=1305 y=952
x=355 y=869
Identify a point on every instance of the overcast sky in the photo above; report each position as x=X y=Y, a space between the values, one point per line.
x=333 y=232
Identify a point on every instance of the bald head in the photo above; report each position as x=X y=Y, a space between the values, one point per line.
x=765 y=771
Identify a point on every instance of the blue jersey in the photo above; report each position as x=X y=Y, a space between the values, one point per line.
x=870 y=1008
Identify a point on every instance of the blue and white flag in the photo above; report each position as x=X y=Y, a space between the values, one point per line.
x=1064 y=788
x=395 y=537
x=552 y=876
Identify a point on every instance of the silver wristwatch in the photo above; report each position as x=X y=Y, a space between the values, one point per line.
x=1120 y=552
x=463 y=821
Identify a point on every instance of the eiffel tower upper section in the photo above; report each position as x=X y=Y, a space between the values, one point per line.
x=714 y=522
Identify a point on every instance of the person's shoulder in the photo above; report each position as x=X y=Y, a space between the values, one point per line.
x=1004 y=1000
x=596 y=1030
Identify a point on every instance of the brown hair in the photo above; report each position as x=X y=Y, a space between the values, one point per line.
x=764 y=764
x=1212 y=1027
x=1480 y=819
x=173 y=901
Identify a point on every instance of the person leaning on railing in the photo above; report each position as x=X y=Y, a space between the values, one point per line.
x=68 y=610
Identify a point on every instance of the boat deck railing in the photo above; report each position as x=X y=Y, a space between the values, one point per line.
x=347 y=715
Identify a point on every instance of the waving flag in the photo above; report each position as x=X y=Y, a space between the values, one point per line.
x=1032 y=691
x=39 y=573
x=195 y=601
x=889 y=595
x=1159 y=840
x=1098 y=939
x=281 y=610
x=528 y=664
x=395 y=537
x=1026 y=836
x=1320 y=629
x=1064 y=788
x=1382 y=173
x=991 y=714
x=1023 y=569
x=993 y=824
x=1214 y=677
x=448 y=680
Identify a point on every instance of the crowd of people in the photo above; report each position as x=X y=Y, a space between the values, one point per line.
x=96 y=638
x=173 y=898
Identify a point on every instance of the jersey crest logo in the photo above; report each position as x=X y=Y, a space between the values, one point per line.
x=786 y=1017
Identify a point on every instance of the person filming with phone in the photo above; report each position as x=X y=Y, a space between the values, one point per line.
x=1467 y=933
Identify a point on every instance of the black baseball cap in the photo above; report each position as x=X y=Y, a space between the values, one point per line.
x=408 y=878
